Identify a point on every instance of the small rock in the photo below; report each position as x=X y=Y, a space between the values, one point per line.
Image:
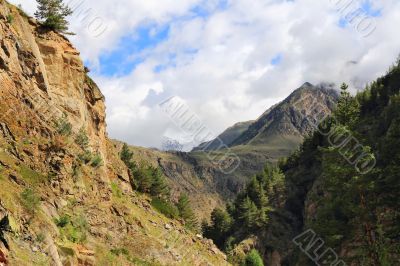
x=60 y=203
x=215 y=250
x=199 y=236
x=3 y=259
x=168 y=226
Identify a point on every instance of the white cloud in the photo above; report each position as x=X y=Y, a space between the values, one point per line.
x=221 y=63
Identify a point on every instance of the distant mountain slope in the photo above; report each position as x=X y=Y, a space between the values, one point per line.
x=226 y=137
x=276 y=134
x=292 y=117
x=185 y=175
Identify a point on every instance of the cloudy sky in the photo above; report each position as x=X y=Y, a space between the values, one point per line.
x=229 y=60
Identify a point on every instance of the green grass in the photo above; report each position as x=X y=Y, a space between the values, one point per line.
x=73 y=229
x=140 y=262
x=31 y=176
x=166 y=208
x=30 y=200
x=120 y=251
x=116 y=191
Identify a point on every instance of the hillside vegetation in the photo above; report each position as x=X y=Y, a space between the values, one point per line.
x=343 y=184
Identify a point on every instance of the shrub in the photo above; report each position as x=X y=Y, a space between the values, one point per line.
x=63 y=221
x=40 y=237
x=63 y=126
x=82 y=139
x=253 y=259
x=97 y=161
x=10 y=18
x=30 y=200
x=116 y=191
x=85 y=157
x=165 y=207
x=120 y=251
x=75 y=230
x=76 y=168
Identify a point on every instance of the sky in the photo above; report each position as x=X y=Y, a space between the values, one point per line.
x=228 y=60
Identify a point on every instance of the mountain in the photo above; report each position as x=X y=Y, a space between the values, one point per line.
x=274 y=135
x=291 y=117
x=284 y=125
x=198 y=175
x=225 y=138
x=335 y=200
x=66 y=197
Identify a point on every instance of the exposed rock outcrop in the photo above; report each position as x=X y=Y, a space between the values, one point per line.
x=70 y=200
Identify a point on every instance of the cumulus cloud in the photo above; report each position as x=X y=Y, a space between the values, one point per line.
x=229 y=60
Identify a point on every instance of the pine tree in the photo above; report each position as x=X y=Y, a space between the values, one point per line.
x=348 y=109
x=143 y=178
x=159 y=187
x=221 y=224
x=253 y=259
x=248 y=213
x=186 y=212
x=52 y=14
x=126 y=155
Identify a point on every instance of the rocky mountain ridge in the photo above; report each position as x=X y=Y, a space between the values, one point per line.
x=274 y=135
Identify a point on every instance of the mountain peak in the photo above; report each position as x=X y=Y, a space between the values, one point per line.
x=287 y=118
x=307 y=85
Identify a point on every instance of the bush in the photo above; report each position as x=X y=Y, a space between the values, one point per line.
x=82 y=139
x=97 y=161
x=63 y=221
x=253 y=259
x=40 y=237
x=10 y=18
x=63 y=126
x=165 y=207
x=30 y=200
x=75 y=230
x=116 y=191
x=85 y=157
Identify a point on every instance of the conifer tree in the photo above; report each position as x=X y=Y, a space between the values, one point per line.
x=159 y=187
x=221 y=224
x=143 y=178
x=248 y=212
x=186 y=212
x=52 y=14
x=348 y=109
x=253 y=259
x=126 y=155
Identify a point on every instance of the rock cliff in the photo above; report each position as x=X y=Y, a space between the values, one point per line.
x=65 y=196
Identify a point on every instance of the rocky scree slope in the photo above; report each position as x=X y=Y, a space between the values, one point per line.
x=66 y=199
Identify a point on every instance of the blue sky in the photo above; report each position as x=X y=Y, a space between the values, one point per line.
x=230 y=60
x=131 y=48
x=123 y=59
